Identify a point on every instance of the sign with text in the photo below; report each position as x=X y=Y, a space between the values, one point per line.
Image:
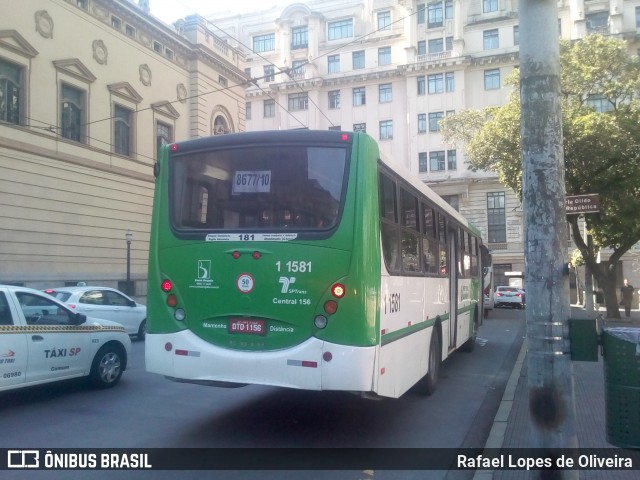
x=576 y=204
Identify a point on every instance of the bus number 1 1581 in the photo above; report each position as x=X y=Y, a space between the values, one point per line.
x=294 y=266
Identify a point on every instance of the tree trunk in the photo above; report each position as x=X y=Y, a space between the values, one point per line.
x=551 y=395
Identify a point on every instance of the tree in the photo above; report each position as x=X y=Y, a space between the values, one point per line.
x=600 y=89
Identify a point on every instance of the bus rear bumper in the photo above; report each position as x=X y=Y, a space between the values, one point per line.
x=312 y=365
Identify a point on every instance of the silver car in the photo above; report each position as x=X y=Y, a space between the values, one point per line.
x=107 y=303
x=509 y=296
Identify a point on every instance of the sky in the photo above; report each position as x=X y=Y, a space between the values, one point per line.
x=171 y=10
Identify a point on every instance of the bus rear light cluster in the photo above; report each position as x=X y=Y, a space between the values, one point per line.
x=236 y=255
x=166 y=285
x=331 y=307
x=172 y=300
x=338 y=290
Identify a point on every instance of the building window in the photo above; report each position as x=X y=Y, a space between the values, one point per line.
x=422 y=162
x=492 y=79
x=82 y=4
x=422 y=123
x=158 y=47
x=357 y=59
x=496 y=218
x=490 y=39
x=164 y=135
x=223 y=81
x=434 y=121
x=168 y=53
x=299 y=37
x=298 y=101
x=435 y=83
x=422 y=47
x=489 y=6
x=453 y=200
x=73 y=113
x=334 y=63
x=359 y=127
x=334 y=99
x=269 y=108
x=421 y=14
x=599 y=103
x=516 y=35
x=385 y=93
x=452 y=160
x=269 y=73
x=384 y=56
x=386 y=130
x=436 y=45
x=449 y=82
x=247 y=110
x=384 y=20
x=297 y=68
x=264 y=43
x=340 y=29
x=359 y=97
x=10 y=92
x=436 y=161
x=448 y=9
x=130 y=31
x=116 y=23
x=421 y=86
x=448 y=44
x=598 y=22
x=434 y=14
x=122 y=131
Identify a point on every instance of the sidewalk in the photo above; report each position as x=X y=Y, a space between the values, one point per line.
x=511 y=427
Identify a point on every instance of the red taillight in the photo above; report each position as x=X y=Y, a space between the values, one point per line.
x=518 y=294
x=174 y=147
x=236 y=254
x=172 y=300
x=345 y=137
x=338 y=290
x=256 y=255
x=166 y=285
x=331 y=307
x=72 y=305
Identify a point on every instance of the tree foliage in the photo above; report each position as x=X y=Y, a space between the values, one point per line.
x=600 y=88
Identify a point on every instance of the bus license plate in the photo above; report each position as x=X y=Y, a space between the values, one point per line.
x=243 y=325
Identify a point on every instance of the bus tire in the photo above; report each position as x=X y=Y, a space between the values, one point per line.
x=427 y=384
x=107 y=366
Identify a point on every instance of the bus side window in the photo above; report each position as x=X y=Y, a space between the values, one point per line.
x=5 y=313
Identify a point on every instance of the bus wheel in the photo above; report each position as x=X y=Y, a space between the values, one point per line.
x=427 y=384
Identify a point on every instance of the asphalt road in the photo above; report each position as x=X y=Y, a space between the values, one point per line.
x=147 y=411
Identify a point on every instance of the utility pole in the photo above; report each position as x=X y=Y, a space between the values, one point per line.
x=550 y=379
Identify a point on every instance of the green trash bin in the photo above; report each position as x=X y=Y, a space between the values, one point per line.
x=621 y=347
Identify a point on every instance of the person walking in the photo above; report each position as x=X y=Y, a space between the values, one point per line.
x=627 y=296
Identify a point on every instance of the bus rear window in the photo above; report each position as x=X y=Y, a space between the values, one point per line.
x=258 y=188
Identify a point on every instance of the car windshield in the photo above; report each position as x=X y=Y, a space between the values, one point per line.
x=62 y=296
x=508 y=289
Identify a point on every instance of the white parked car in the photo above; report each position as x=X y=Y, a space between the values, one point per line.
x=42 y=340
x=106 y=303
x=508 y=296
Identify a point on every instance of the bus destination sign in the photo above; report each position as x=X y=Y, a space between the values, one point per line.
x=576 y=204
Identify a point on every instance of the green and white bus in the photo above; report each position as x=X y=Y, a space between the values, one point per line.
x=305 y=259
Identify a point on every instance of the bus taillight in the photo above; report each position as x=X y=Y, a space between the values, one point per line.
x=172 y=300
x=338 y=290
x=331 y=307
x=166 y=285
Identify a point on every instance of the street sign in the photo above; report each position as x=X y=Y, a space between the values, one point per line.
x=577 y=204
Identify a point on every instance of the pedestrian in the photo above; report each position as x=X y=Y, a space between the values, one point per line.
x=627 y=295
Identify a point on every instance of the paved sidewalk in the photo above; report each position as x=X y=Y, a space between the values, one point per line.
x=511 y=428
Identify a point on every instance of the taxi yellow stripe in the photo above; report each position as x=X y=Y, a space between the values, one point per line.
x=57 y=329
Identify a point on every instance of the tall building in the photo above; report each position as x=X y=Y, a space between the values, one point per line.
x=395 y=69
x=89 y=90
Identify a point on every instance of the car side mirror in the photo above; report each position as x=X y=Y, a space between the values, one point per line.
x=78 y=318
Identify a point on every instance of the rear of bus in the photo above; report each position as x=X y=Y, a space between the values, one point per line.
x=264 y=261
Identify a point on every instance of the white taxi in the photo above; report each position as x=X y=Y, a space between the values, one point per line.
x=42 y=340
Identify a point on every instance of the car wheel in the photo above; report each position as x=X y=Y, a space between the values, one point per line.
x=107 y=366
x=142 y=331
x=427 y=384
